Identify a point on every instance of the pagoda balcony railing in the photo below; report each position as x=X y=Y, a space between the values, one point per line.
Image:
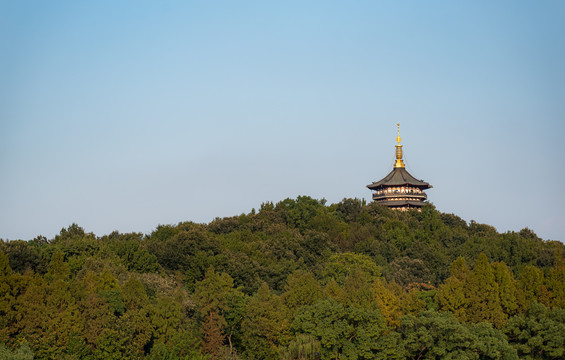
x=413 y=195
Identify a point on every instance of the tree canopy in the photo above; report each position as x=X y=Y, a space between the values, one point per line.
x=299 y=279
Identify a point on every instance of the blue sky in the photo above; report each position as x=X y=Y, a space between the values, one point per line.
x=122 y=115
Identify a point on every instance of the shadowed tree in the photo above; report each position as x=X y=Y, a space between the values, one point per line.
x=491 y=343
x=407 y=271
x=433 y=335
x=7 y=294
x=539 y=333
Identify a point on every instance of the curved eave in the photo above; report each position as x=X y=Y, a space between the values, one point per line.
x=399 y=177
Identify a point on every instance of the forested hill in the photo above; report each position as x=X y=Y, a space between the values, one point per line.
x=295 y=280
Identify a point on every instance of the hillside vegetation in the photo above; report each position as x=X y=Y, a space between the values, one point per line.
x=294 y=280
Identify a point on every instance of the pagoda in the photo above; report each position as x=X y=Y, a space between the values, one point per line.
x=399 y=190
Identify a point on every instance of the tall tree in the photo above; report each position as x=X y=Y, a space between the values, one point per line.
x=220 y=305
x=7 y=294
x=211 y=293
x=97 y=316
x=531 y=282
x=451 y=295
x=212 y=335
x=48 y=311
x=555 y=283
x=483 y=295
x=388 y=301
x=508 y=292
x=265 y=325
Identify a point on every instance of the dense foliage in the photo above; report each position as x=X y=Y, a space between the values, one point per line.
x=295 y=280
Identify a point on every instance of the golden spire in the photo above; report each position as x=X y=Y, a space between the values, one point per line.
x=399 y=163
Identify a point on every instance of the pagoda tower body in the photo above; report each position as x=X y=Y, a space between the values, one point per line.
x=399 y=190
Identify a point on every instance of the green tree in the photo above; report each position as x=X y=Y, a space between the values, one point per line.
x=183 y=344
x=343 y=332
x=303 y=347
x=492 y=343
x=483 y=295
x=451 y=295
x=188 y=248
x=555 y=283
x=433 y=335
x=97 y=316
x=48 y=312
x=406 y=271
x=215 y=295
x=211 y=294
x=213 y=335
x=388 y=301
x=8 y=293
x=23 y=255
x=23 y=352
x=340 y=266
x=265 y=325
x=349 y=209
x=299 y=212
x=539 y=333
x=301 y=289
x=135 y=331
x=129 y=247
x=508 y=292
x=109 y=345
x=358 y=291
x=167 y=316
x=531 y=283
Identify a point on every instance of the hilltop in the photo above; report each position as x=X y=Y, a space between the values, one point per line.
x=291 y=280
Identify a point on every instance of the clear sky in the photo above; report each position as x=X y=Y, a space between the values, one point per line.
x=122 y=115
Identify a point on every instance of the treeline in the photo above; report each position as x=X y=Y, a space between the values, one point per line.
x=294 y=280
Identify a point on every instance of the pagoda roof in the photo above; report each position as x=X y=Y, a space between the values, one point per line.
x=397 y=177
